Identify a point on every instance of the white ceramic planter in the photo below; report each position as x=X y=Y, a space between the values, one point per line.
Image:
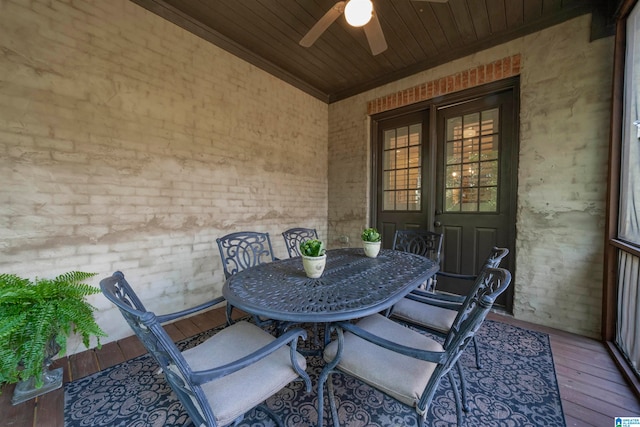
x=314 y=266
x=371 y=249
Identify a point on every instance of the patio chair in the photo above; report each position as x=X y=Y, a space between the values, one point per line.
x=436 y=312
x=294 y=236
x=221 y=379
x=420 y=242
x=401 y=362
x=242 y=250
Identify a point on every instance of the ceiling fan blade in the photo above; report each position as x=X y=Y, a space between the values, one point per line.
x=323 y=23
x=375 y=36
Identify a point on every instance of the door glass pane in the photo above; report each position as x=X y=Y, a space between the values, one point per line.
x=389 y=201
x=489 y=147
x=471 y=125
x=414 y=201
x=470 y=175
x=401 y=179
x=489 y=122
x=415 y=134
x=452 y=202
x=402 y=168
x=388 y=180
x=414 y=179
x=454 y=152
x=389 y=139
x=402 y=158
x=454 y=176
x=472 y=162
x=401 y=200
x=471 y=150
x=414 y=157
x=402 y=137
x=488 y=174
x=454 y=128
x=488 y=199
x=469 y=199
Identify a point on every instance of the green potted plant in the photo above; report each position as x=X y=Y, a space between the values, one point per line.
x=371 y=239
x=314 y=257
x=36 y=318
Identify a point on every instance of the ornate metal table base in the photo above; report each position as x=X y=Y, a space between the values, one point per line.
x=26 y=390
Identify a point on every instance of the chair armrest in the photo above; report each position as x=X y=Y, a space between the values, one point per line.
x=451 y=302
x=436 y=297
x=457 y=276
x=429 y=356
x=172 y=316
x=290 y=337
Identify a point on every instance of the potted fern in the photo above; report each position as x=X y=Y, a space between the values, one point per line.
x=314 y=257
x=36 y=318
x=371 y=240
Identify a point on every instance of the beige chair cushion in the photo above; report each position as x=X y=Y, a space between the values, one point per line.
x=427 y=315
x=402 y=377
x=237 y=393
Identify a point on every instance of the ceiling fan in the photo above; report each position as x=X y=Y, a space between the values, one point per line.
x=358 y=13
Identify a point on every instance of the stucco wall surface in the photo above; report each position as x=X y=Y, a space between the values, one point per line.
x=565 y=91
x=127 y=143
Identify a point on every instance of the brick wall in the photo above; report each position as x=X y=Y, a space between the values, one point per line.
x=127 y=143
x=564 y=123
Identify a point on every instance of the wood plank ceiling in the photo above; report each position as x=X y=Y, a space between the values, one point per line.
x=419 y=34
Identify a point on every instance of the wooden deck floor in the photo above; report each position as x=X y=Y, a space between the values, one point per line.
x=592 y=389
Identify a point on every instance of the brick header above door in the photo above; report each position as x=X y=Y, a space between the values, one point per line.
x=496 y=70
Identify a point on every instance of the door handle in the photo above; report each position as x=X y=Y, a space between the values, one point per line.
x=437 y=224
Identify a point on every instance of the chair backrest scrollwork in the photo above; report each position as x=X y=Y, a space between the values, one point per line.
x=244 y=249
x=294 y=236
x=421 y=242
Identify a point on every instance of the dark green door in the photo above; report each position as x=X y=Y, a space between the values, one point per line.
x=476 y=176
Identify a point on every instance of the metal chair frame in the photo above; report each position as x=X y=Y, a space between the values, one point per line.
x=489 y=285
x=454 y=303
x=183 y=380
x=294 y=236
x=420 y=242
x=242 y=250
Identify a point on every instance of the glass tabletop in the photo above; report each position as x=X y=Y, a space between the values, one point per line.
x=352 y=285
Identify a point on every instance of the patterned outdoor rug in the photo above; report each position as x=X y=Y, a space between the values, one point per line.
x=516 y=386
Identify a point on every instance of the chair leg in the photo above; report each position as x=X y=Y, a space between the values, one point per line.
x=457 y=397
x=228 y=311
x=332 y=403
x=463 y=387
x=321 y=381
x=431 y=286
x=477 y=353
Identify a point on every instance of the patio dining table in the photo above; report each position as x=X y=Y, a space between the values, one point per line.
x=351 y=286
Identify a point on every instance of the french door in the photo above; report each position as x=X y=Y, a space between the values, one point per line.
x=451 y=167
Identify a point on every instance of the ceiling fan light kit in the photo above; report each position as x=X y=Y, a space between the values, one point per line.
x=358 y=12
